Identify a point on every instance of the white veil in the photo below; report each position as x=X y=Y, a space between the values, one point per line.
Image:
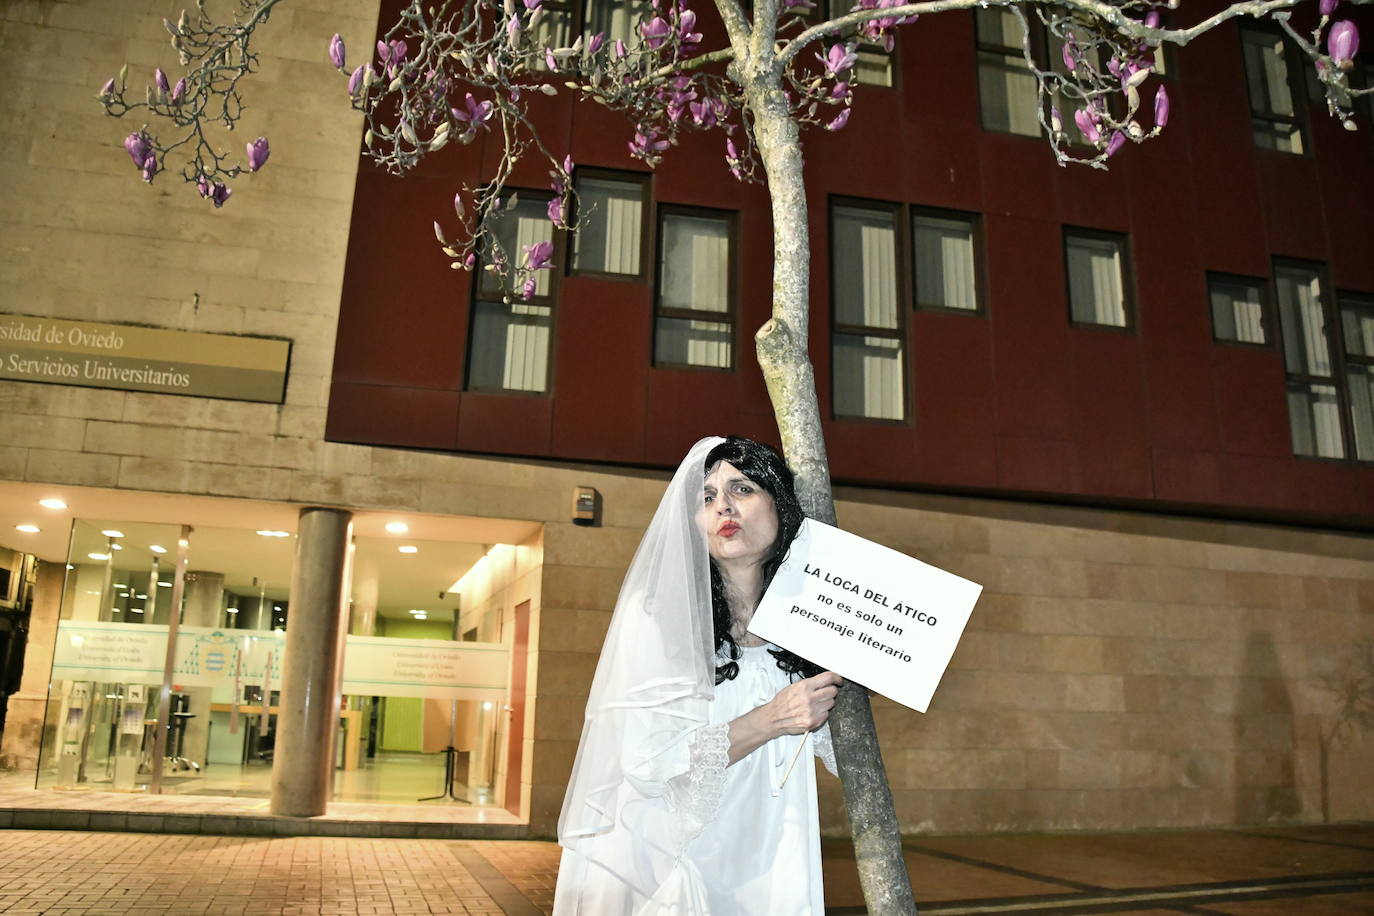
x=656 y=676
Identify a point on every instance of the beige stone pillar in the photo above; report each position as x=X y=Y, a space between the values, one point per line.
x=303 y=760
x=202 y=606
x=24 y=713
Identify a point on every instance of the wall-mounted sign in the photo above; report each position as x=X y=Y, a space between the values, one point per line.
x=143 y=359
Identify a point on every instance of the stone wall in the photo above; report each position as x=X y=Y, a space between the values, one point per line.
x=1127 y=670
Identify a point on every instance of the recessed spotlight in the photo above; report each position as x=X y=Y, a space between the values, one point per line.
x=98 y=556
x=52 y=503
x=231 y=610
x=164 y=585
x=141 y=596
x=28 y=529
x=421 y=616
x=408 y=548
x=416 y=610
x=276 y=607
x=135 y=610
x=157 y=548
x=112 y=533
x=397 y=527
x=116 y=547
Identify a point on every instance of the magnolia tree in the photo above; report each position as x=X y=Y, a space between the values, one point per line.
x=448 y=72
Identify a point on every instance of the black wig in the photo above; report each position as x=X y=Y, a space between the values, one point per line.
x=765 y=467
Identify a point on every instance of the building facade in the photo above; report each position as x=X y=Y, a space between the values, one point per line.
x=1134 y=405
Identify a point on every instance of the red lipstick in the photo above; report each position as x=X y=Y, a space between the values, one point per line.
x=727 y=529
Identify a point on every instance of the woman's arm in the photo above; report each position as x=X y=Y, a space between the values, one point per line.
x=798 y=708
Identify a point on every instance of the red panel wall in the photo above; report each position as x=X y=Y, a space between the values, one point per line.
x=1014 y=401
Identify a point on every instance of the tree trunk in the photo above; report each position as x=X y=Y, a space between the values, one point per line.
x=783 y=356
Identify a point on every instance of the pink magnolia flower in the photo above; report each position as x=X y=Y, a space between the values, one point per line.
x=837 y=59
x=1343 y=43
x=219 y=194
x=538 y=256
x=686 y=22
x=336 y=51
x=138 y=147
x=595 y=43
x=840 y=120
x=257 y=154
x=1087 y=124
x=160 y=79
x=655 y=32
x=179 y=91
x=1117 y=141
x=476 y=115
x=355 y=81
x=1327 y=7
x=107 y=89
x=1161 y=107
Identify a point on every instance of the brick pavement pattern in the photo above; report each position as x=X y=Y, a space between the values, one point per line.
x=1279 y=871
x=57 y=873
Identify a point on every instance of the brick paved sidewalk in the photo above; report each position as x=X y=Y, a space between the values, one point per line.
x=1311 y=871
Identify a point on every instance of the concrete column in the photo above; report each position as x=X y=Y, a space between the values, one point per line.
x=303 y=760
x=202 y=606
x=24 y=714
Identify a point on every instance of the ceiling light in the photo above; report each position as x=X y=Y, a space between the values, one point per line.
x=116 y=547
x=421 y=616
x=52 y=503
x=276 y=607
x=140 y=596
x=268 y=533
x=98 y=556
x=416 y=610
x=408 y=548
x=112 y=533
x=231 y=610
x=135 y=610
x=164 y=585
x=397 y=527
x=28 y=529
x=157 y=548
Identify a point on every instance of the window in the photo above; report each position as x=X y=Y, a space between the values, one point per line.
x=1007 y=93
x=868 y=339
x=1357 y=321
x=508 y=346
x=619 y=19
x=1095 y=264
x=944 y=246
x=1273 y=104
x=1239 y=309
x=611 y=238
x=1314 y=412
x=695 y=317
x=875 y=64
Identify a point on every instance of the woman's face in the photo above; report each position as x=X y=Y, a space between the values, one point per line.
x=737 y=516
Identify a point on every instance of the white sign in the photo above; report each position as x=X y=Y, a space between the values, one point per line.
x=866 y=612
x=378 y=666
x=209 y=657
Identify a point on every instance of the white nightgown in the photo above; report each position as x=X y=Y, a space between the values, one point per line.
x=739 y=843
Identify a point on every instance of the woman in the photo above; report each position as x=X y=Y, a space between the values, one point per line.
x=680 y=799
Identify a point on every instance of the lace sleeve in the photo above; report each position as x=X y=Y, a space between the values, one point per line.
x=825 y=748
x=696 y=794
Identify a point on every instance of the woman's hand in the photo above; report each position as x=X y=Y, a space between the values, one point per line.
x=804 y=706
x=797 y=708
